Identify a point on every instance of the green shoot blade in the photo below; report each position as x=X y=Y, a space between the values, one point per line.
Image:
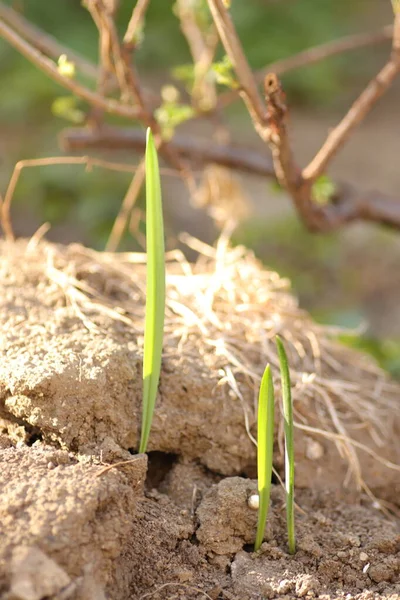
x=289 y=447
x=155 y=290
x=265 y=448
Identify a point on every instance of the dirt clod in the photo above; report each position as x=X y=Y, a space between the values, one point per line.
x=75 y=518
x=34 y=575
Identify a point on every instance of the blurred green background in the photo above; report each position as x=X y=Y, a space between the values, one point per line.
x=347 y=278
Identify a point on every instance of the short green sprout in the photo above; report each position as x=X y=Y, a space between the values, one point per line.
x=265 y=450
x=265 y=438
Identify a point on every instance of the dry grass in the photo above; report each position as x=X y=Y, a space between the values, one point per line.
x=225 y=311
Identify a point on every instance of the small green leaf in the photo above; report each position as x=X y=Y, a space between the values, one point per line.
x=171 y=114
x=223 y=73
x=186 y=74
x=265 y=450
x=323 y=190
x=155 y=290
x=66 y=107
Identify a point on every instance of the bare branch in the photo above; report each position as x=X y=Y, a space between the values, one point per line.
x=88 y=161
x=314 y=55
x=135 y=22
x=351 y=205
x=286 y=169
x=361 y=107
x=117 y=57
x=202 y=47
x=48 y=45
x=45 y=43
x=347 y=206
x=196 y=151
x=50 y=68
x=102 y=13
x=126 y=208
x=234 y=50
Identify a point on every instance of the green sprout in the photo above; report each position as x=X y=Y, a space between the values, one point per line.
x=289 y=449
x=265 y=446
x=265 y=439
x=155 y=290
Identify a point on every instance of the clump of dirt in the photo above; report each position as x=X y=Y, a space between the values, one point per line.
x=71 y=510
x=76 y=520
x=226 y=522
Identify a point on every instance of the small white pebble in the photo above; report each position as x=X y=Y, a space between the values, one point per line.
x=364 y=557
x=284 y=586
x=308 y=377
x=51 y=465
x=366 y=567
x=253 y=502
x=314 y=450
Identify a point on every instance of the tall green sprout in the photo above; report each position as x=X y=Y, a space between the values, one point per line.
x=289 y=447
x=155 y=290
x=265 y=449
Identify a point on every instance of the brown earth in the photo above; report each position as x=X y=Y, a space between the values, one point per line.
x=70 y=394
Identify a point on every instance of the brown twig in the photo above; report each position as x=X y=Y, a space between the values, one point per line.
x=273 y=130
x=50 y=68
x=314 y=55
x=117 y=56
x=271 y=125
x=102 y=13
x=196 y=151
x=48 y=45
x=185 y=586
x=361 y=107
x=90 y=162
x=127 y=205
x=286 y=169
x=43 y=42
x=135 y=22
x=202 y=46
x=121 y=463
x=348 y=204
x=248 y=86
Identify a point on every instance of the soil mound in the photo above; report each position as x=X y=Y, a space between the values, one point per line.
x=70 y=404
